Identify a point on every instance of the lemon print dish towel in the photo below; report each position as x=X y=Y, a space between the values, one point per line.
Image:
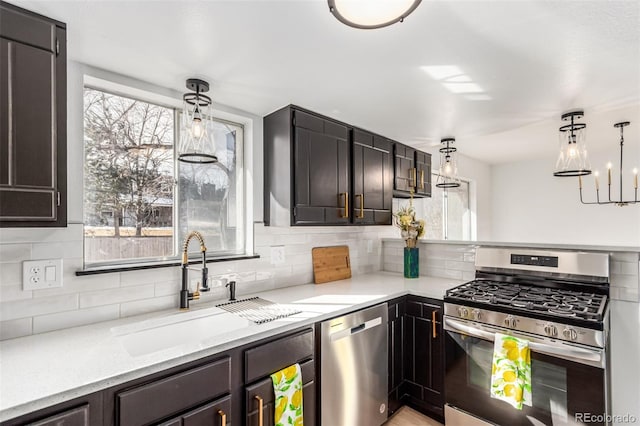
x=287 y=386
x=511 y=371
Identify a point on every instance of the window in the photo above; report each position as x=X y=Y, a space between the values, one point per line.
x=446 y=213
x=139 y=201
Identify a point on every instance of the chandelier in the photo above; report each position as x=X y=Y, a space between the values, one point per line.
x=619 y=202
x=573 y=159
x=370 y=14
x=448 y=171
x=196 y=139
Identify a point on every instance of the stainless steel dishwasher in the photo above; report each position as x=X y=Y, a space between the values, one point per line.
x=354 y=368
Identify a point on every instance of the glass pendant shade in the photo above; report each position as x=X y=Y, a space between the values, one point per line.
x=196 y=139
x=448 y=170
x=370 y=14
x=573 y=159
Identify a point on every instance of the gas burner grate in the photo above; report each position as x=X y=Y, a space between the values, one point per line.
x=548 y=300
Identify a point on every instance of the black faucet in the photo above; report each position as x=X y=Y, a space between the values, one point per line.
x=185 y=294
x=232 y=290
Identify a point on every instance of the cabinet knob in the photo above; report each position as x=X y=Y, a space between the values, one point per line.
x=260 y=410
x=223 y=418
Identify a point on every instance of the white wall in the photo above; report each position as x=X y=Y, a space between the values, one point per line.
x=529 y=204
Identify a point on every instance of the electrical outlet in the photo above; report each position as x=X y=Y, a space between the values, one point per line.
x=39 y=274
x=277 y=255
x=369 y=246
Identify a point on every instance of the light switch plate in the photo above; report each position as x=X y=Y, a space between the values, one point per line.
x=39 y=274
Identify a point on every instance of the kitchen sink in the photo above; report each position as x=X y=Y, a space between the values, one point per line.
x=158 y=334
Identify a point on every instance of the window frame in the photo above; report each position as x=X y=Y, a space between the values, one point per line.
x=445 y=206
x=144 y=92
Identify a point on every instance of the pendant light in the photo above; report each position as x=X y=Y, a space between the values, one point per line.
x=572 y=159
x=448 y=171
x=196 y=140
x=371 y=14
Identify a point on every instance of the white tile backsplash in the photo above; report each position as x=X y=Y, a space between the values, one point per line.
x=58 y=321
x=116 y=295
x=16 y=328
x=92 y=298
x=12 y=309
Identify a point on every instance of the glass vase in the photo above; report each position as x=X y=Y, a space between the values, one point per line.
x=411 y=262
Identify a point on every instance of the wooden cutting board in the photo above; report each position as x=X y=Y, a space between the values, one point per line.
x=330 y=264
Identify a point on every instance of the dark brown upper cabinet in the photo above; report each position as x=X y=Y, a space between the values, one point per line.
x=33 y=121
x=423 y=174
x=412 y=172
x=372 y=179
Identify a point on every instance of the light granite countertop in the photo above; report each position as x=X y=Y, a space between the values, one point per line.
x=46 y=369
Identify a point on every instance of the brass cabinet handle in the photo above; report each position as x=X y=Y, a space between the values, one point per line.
x=223 y=418
x=346 y=204
x=433 y=323
x=421 y=179
x=413 y=177
x=361 y=214
x=260 y=409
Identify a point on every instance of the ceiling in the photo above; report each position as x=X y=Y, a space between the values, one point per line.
x=476 y=70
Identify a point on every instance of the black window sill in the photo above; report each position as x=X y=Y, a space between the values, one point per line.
x=106 y=269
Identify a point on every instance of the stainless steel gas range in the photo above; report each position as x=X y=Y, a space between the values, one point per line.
x=558 y=302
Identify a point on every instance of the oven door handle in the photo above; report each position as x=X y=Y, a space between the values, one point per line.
x=594 y=357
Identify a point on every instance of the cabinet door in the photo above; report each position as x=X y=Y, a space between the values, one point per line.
x=424 y=358
x=404 y=168
x=435 y=387
x=260 y=399
x=75 y=417
x=321 y=171
x=32 y=120
x=396 y=354
x=174 y=394
x=423 y=173
x=372 y=179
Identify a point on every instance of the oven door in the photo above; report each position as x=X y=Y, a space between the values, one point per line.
x=568 y=382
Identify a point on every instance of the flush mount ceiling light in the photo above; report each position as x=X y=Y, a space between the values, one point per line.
x=196 y=139
x=370 y=14
x=572 y=159
x=448 y=171
x=619 y=202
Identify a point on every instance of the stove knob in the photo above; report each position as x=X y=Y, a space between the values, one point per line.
x=510 y=321
x=570 y=333
x=463 y=312
x=476 y=314
x=550 y=330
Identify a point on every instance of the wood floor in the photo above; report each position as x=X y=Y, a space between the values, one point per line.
x=409 y=417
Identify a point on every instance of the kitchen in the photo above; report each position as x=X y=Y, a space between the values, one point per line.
x=506 y=129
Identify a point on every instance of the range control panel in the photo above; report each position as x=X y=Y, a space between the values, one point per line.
x=526 y=259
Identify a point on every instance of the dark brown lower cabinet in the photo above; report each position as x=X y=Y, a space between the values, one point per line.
x=424 y=356
x=83 y=411
x=396 y=353
x=260 y=399
x=263 y=360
